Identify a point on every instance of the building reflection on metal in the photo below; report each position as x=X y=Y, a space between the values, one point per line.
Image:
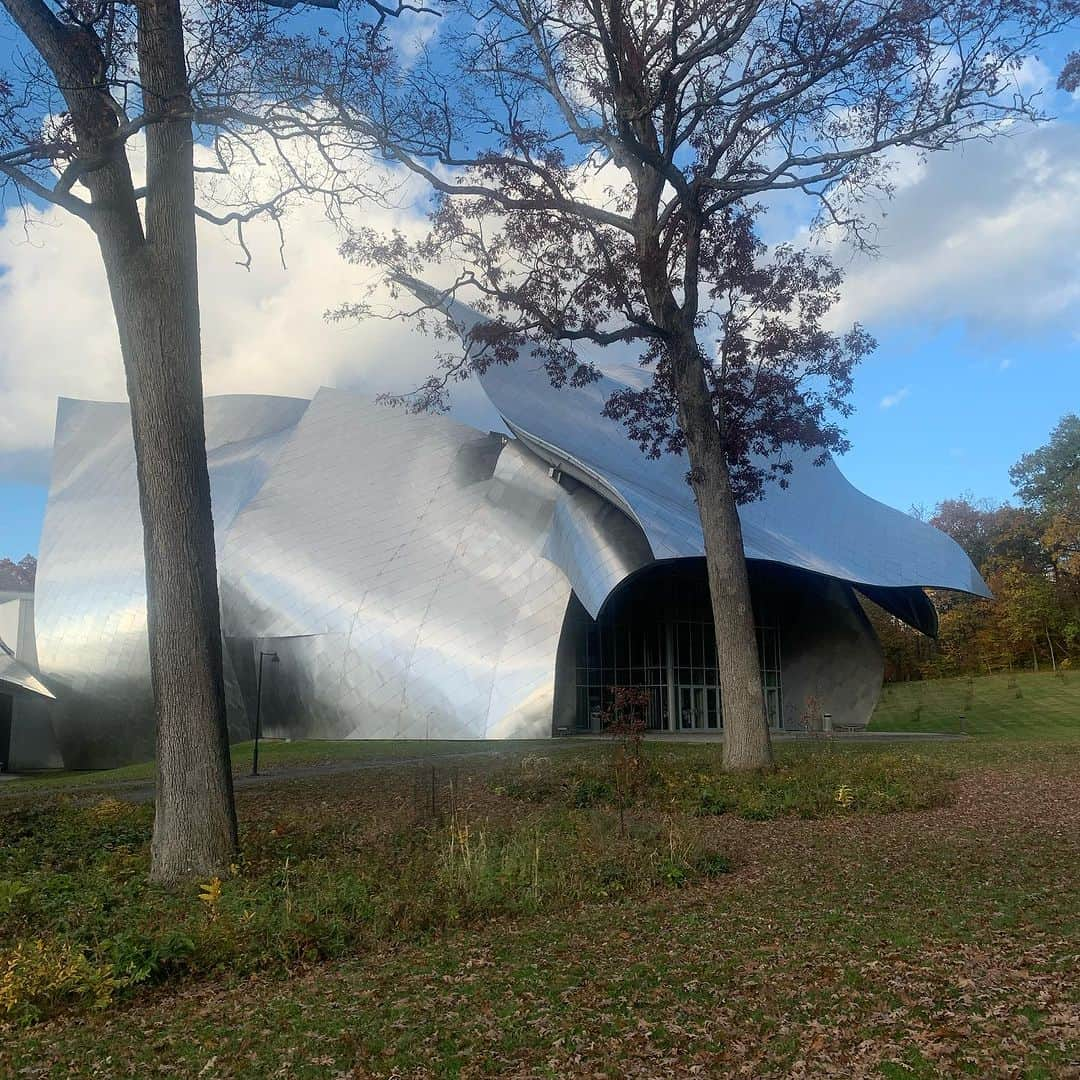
x=416 y=576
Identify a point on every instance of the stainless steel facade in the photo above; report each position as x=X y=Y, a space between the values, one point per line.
x=414 y=575
x=18 y=678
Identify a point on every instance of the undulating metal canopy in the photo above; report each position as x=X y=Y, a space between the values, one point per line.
x=414 y=574
x=819 y=522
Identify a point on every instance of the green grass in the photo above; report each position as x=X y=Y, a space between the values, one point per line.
x=935 y=943
x=744 y=925
x=807 y=782
x=319 y=879
x=1022 y=706
x=274 y=754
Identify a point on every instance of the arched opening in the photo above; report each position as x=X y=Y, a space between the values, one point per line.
x=656 y=633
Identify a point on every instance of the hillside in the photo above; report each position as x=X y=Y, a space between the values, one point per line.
x=1026 y=706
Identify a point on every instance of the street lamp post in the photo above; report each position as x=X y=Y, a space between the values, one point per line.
x=274 y=659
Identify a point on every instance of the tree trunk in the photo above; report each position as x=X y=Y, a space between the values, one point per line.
x=195 y=819
x=746 y=729
x=153 y=283
x=154 y=289
x=1053 y=655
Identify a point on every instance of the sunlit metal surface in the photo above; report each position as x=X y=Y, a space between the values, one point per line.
x=819 y=522
x=90 y=612
x=397 y=562
x=16 y=676
x=414 y=575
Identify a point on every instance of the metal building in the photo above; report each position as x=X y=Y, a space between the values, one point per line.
x=422 y=579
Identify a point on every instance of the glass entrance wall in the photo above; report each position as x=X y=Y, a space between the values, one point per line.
x=612 y=654
x=657 y=634
x=768 y=641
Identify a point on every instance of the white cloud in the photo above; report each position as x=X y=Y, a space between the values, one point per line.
x=987 y=235
x=263 y=331
x=891 y=400
x=1033 y=74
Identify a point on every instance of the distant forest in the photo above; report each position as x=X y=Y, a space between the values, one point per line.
x=1030 y=557
x=17 y=576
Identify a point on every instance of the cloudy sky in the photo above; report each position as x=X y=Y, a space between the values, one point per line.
x=974 y=298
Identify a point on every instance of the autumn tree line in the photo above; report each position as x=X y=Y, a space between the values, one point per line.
x=1029 y=555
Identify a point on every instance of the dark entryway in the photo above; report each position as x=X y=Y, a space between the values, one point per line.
x=656 y=634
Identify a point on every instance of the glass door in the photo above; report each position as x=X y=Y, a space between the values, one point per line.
x=698 y=708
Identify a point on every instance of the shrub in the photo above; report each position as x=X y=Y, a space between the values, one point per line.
x=713 y=865
x=590 y=791
x=803 y=785
x=136 y=957
x=38 y=979
x=712 y=801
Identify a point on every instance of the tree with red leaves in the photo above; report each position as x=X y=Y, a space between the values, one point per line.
x=596 y=165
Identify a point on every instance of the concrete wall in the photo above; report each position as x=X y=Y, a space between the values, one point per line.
x=830 y=658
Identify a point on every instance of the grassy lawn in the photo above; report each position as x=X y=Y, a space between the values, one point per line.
x=1020 y=706
x=882 y=910
x=275 y=755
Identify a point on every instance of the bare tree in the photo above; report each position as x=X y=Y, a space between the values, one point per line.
x=207 y=89
x=595 y=160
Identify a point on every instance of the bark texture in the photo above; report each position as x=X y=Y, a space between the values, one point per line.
x=195 y=818
x=153 y=282
x=746 y=729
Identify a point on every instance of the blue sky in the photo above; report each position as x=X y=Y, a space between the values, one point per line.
x=974 y=299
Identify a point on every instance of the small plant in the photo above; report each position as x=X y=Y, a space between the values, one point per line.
x=624 y=720
x=210 y=895
x=590 y=791
x=845 y=797
x=108 y=810
x=10 y=892
x=674 y=874
x=38 y=979
x=713 y=864
x=137 y=958
x=713 y=802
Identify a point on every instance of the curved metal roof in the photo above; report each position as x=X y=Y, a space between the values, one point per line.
x=820 y=522
x=14 y=675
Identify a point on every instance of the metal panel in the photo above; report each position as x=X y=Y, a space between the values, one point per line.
x=91 y=587
x=16 y=676
x=820 y=522
x=409 y=555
